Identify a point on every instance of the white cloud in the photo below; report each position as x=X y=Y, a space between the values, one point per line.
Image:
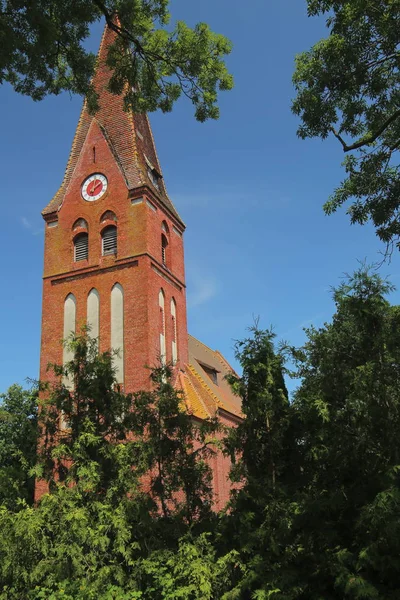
x=200 y=289
x=315 y=320
x=29 y=226
x=26 y=223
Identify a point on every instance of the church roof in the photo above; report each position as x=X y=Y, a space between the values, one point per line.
x=204 y=385
x=128 y=134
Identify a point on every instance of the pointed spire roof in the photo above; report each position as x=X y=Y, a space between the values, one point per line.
x=128 y=134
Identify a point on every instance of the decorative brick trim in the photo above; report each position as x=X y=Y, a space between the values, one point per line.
x=164 y=276
x=91 y=272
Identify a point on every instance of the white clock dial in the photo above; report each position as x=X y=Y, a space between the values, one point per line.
x=94 y=187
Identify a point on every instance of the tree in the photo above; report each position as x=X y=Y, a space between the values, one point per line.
x=176 y=449
x=347 y=87
x=257 y=525
x=317 y=514
x=128 y=512
x=43 y=52
x=259 y=437
x=347 y=412
x=18 y=438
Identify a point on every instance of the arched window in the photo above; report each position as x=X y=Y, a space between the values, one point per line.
x=93 y=313
x=109 y=240
x=80 y=224
x=69 y=328
x=109 y=215
x=174 y=344
x=161 y=303
x=81 y=247
x=164 y=251
x=117 y=330
x=164 y=243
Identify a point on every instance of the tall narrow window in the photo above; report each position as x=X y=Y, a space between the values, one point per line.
x=174 y=345
x=117 y=330
x=164 y=246
x=81 y=247
x=109 y=240
x=93 y=314
x=161 y=303
x=69 y=328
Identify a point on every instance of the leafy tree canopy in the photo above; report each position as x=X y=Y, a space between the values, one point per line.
x=316 y=487
x=129 y=511
x=43 y=52
x=348 y=86
x=347 y=416
x=317 y=514
x=18 y=437
x=258 y=523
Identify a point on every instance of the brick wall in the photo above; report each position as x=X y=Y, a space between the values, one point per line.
x=137 y=266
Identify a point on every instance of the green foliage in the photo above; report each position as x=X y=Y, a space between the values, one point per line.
x=192 y=573
x=348 y=415
x=259 y=521
x=316 y=497
x=347 y=86
x=18 y=437
x=43 y=52
x=130 y=493
x=176 y=450
x=317 y=514
x=259 y=437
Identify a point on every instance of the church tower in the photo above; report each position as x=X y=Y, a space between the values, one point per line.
x=114 y=260
x=114 y=245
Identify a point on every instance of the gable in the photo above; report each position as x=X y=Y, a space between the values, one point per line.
x=129 y=135
x=205 y=396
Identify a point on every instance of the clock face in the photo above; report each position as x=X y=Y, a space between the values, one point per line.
x=94 y=187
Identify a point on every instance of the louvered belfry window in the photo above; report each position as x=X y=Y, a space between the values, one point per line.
x=81 y=247
x=109 y=240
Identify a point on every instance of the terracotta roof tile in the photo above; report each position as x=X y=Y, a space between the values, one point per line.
x=209 y=399
x=203 y=398
x=199 y=355
x=194 y=403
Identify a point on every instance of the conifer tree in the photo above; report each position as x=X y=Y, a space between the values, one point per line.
x=18 y=438
x=258 y=525
x=129 y=493
x=348 y=414
x=326 y=526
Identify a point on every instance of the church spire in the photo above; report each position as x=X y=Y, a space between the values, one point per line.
x=128 y=135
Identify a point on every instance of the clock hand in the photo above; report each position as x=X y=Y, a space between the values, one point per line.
x=96 y=186
x=93 y=187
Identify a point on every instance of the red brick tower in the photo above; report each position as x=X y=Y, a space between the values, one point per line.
x=114 y=259
x=114 y=246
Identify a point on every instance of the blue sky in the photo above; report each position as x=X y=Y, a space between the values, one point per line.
x=251 y=193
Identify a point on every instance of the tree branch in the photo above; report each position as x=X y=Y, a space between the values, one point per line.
x=368 y=140
x=148 y=56
x=380 y=61
x=122 y=32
